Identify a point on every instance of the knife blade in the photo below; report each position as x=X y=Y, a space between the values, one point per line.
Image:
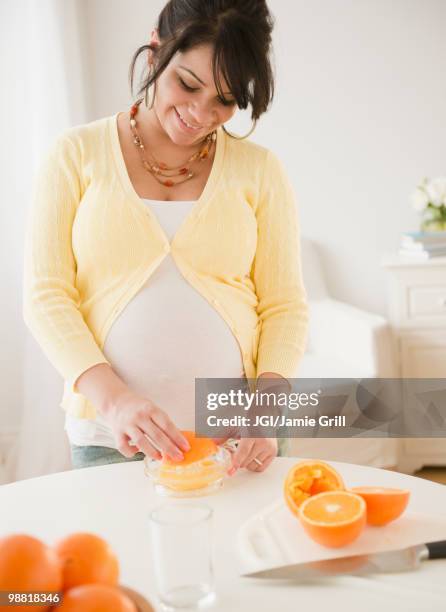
x=400 y=560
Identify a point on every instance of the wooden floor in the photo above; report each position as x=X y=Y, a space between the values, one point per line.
x=437 y=474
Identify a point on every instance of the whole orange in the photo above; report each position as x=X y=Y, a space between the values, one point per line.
x=28 y=564
x=96 y=598
x=87 y=558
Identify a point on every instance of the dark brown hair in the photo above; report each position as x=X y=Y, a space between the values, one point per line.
x=240 y=33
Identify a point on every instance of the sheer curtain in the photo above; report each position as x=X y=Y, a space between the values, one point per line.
x=55 y=44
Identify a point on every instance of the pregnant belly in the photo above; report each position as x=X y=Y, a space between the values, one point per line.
x=167 y=336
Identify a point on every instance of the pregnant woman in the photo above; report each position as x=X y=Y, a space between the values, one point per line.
x=163 y=248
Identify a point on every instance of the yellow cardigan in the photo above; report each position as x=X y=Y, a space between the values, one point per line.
x=91 y=244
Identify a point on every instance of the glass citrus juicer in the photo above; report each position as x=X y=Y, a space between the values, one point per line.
x=202 y=471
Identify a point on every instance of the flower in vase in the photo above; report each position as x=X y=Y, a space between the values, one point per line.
x=429 y=199
x=436 y=190
x=420 y=197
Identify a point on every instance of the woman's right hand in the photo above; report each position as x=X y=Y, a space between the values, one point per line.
x=132 y=417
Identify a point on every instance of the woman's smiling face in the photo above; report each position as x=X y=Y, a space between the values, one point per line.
x=187 y=103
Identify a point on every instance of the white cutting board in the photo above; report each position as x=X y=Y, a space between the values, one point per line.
x=274 y=536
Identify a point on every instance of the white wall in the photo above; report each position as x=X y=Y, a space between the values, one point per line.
x=358 y=116
x=33 y=108
x=13 y=154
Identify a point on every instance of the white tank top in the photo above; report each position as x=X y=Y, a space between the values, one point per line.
x=167 y=336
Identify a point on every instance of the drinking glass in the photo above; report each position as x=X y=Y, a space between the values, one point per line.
x=182 y=554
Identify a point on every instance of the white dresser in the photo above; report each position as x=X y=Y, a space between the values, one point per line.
x=417 y=314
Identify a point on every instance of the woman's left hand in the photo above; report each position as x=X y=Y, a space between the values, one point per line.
x=254 y=454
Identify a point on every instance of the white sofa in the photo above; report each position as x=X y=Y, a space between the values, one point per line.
x=344 y=342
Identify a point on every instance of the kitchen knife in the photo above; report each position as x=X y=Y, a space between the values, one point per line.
x=400 y=560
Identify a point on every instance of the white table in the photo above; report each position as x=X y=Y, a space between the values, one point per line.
x=114 y=500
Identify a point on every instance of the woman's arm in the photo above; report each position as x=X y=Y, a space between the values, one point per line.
x=277 y=275
x=50 y=297
x=131 y=416
x=282 y=305
x=101 y=386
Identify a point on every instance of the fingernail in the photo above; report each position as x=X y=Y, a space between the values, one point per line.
x=173 y=457
x=232 y=471
x=185 y=446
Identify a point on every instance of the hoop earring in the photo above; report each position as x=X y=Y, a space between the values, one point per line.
x=240 y=137
x=153 y=97
x=146 y=94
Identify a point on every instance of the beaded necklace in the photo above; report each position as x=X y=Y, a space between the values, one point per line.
x=160 y=169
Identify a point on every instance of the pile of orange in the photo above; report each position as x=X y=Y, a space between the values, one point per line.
x=82 y=567
x=333 y=515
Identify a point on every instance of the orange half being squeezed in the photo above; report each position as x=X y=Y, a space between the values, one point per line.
x=200 y=448
x=203 y=467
